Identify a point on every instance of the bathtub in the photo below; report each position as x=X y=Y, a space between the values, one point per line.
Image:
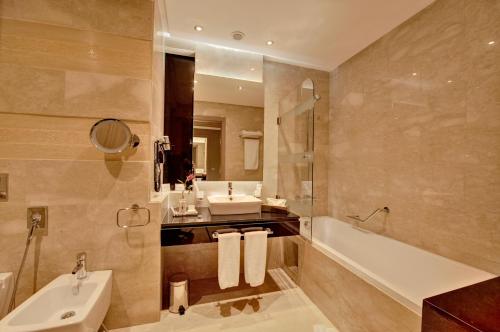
x=403 y=272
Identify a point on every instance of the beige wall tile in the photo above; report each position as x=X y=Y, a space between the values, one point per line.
x=130 y=18
x=76 y=94
x=40 y=45
x=350 y=302
x=83 y=197
x=425 y=144
x=40 y=137
x=102 y=96
x=62 y=68
x=199 y=261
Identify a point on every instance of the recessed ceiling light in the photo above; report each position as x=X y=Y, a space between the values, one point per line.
x=252 y=69
x=414 y=74
x=198 y=27
x=269 y=42
x=450 y=81
x=195 y=81
x=240 y=87
x=491 y=42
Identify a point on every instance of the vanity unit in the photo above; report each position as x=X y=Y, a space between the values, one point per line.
x=189 y=245
x=204 y=227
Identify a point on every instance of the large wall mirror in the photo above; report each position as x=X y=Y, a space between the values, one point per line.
x=228 y=114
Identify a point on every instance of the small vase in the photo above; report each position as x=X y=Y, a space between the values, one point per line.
x=182 y=205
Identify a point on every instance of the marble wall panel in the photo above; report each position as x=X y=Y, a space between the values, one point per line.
x=129 y=18
x=46 y=46
x=63 y=66
x=46 y=137
x=82 y=199
x=414 y=124
x=349 y=301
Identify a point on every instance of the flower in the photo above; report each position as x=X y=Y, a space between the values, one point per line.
x=187 y=187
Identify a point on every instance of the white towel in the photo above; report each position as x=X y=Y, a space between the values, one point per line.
x=251 y=134
x=229 y=259
x=255 y=257
x=251 y=154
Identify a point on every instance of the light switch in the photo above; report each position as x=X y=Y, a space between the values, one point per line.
x=4 y=187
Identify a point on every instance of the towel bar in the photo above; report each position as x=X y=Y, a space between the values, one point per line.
x=269 y=231
x=134 y=208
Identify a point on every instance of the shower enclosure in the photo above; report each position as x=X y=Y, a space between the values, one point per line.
x=296 y=162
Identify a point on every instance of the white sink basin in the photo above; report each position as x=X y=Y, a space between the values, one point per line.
x=44 y=310
x=236 y=204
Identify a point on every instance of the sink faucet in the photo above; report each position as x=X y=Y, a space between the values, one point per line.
x=230 y=190
x=80 y=269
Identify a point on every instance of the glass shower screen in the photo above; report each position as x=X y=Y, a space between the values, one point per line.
x=296 y=152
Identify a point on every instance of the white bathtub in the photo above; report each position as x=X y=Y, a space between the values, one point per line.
x=405 y=273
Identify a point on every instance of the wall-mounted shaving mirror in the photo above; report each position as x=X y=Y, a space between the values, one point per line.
x=112 y=136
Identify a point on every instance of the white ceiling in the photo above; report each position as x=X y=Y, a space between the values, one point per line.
x=319 y=34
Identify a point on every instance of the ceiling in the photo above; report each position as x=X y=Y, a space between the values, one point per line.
x=318 y=34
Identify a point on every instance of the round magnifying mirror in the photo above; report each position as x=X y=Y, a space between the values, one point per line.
x=112 y=136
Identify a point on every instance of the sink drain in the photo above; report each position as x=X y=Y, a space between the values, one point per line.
x=68 y=314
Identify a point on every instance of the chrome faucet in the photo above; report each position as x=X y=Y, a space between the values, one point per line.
x=80 y=269
x=230 y=190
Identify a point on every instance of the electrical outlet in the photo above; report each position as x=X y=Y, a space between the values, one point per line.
x=44 y=222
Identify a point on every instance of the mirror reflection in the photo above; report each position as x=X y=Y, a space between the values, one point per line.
x=228 y=118
x=224 y=140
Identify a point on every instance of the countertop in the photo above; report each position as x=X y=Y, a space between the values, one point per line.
x=204 y=218
x=472 y=308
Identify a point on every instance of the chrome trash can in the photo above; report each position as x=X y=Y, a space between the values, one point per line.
x=179 y=293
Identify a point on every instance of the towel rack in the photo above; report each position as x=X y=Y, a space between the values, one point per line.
x=269 y=231
x=135 y=208
x=385 y=209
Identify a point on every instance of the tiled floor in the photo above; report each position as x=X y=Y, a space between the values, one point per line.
x=286 y=310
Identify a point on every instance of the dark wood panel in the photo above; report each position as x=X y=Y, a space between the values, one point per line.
x=203 y=234
x=472 y=308
x=178 y=119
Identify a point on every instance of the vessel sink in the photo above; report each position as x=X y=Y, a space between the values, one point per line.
x=235 y=204
x=64 y=305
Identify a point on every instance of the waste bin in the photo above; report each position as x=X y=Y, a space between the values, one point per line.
x=179 y=293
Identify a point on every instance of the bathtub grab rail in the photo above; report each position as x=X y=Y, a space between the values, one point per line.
x=385 y=209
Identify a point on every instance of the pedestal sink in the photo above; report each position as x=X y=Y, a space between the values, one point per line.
x=64 y=305
x=235 y=204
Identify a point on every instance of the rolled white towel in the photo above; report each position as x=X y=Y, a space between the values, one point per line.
x=251 y=134
x=229 y=259
x=255 y=257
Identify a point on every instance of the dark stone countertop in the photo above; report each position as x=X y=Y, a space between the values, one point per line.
x=204 y=218
x=472 y=308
